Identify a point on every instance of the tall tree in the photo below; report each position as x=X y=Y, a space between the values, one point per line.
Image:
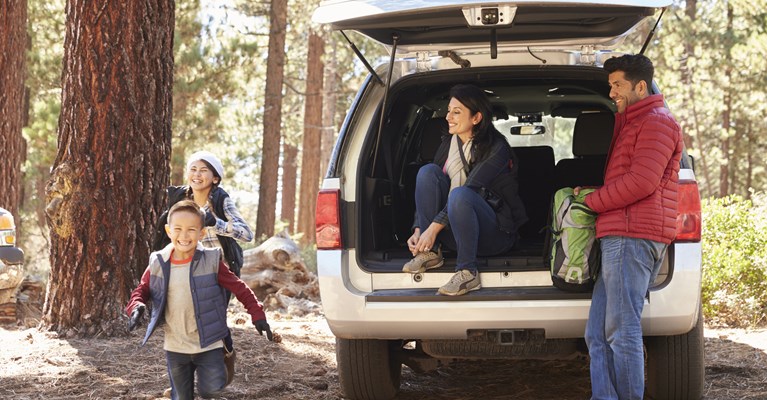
x=329 y=101
x=289 y=173
x=724 y=181
x=13 y=40
x=267 y=191
x=310 y=160
x=112 y=164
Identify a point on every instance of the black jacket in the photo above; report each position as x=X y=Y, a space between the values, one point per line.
x=495 y=179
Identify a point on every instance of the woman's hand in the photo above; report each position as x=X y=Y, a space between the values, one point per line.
x=413 y=240
x=428 y=238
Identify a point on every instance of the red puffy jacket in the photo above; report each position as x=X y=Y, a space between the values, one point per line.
x=639 y=196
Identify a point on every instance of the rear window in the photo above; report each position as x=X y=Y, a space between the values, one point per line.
x=558 y=135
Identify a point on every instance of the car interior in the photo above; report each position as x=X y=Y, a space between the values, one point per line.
x=560 y=130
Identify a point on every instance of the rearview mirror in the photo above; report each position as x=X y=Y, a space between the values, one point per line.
x=528 y=130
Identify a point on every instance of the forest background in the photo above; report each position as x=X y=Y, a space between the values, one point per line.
x=710 y=59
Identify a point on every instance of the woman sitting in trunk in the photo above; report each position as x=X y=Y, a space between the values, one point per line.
x=467 y=200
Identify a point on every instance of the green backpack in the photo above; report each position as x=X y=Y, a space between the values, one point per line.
x=575 y=253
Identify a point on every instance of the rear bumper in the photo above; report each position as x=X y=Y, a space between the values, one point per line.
x=670 y=310
x=11 y=255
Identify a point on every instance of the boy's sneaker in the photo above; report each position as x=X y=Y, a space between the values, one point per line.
x=462 y=282
x=423 y=261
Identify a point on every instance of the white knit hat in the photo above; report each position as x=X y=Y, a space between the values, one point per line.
x=210 y=158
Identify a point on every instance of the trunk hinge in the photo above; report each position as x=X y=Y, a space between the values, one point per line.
x=422 y=61
x=464 y=63
x=652 y=32
x=395 y=40
x=362 y=58
x=588 y=56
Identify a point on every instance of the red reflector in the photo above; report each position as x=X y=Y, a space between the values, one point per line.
x=328 y=220
x=688 y=220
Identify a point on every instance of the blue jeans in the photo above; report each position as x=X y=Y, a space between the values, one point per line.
x=211 y=374
x=473 y=226
x=614 y=330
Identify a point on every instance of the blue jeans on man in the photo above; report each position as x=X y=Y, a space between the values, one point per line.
x=211 y=374
x=473 y=226
x=614 y=330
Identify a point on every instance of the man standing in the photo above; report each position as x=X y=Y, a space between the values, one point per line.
x=637 y=209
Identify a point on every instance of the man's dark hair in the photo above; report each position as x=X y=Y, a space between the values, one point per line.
x=636 y=67
x=188 y=206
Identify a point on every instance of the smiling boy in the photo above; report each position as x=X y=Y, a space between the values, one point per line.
x=186 y=284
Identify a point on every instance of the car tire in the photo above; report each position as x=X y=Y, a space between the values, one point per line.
x=676 y=365
x=368 y=369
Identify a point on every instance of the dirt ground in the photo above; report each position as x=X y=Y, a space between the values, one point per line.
x=38 y=365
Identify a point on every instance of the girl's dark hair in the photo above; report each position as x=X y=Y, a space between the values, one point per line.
x=485 y=133
x=215 y=174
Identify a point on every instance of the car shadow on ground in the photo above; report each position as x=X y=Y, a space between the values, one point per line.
x=733 y=371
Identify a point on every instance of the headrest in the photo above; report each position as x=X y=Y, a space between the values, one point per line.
x=499 y=111
x=593 y=133
x=431 y=137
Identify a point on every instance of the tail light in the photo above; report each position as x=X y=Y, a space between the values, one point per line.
x=328 y=220
x=688 y=220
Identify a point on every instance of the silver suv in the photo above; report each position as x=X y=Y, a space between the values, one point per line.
x=540 y=63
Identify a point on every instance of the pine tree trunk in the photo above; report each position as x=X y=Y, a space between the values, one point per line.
x=690 y=103
x=275 y=66
x=724 y=173
x=310 y=161
x=289 y=176
x=107 y=185
x=329 y=110
x=13 y=49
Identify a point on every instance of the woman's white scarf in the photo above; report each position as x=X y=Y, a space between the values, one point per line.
x=454 y=166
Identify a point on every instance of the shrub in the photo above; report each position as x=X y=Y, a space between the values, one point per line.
x=734 y=286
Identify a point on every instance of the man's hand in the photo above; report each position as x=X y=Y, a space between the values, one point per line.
x=210 y=219
x=262 y=326
x=135 y=316
x=577 y=190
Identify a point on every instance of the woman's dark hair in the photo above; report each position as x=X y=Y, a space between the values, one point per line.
x=485 y=133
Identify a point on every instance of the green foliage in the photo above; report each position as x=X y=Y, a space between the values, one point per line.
x=309 y=254
x=734 y=287
x=704 y=60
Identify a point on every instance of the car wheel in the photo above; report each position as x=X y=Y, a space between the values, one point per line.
x=675 y=364
x=368 y=369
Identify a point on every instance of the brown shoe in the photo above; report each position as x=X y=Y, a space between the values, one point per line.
x=423 y=261
x=460 y=283
x=229 y=359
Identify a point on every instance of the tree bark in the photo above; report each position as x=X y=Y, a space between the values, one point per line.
x=329 y=101
x=690 y=101
x=275 y=67
x=13 y=50
x=289 y=176
x=107 y=185
x=724 y=173
x=310 y=161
